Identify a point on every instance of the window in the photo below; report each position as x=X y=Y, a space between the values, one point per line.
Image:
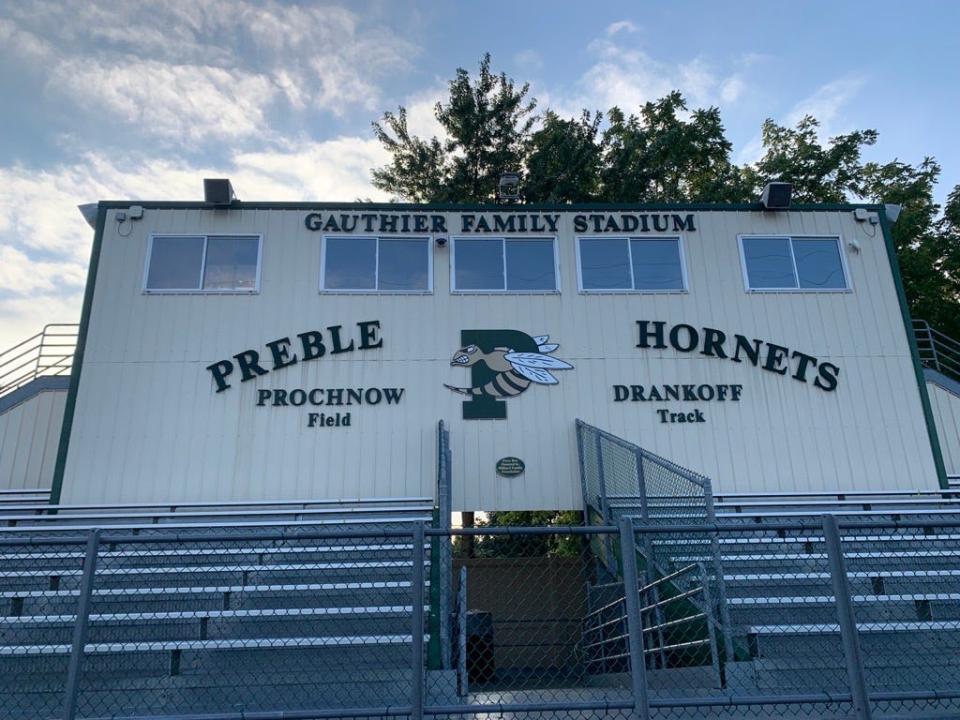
x=203 y=263
x=793 y=263
x=371 y=264
x=504 y=265
x=648 y=264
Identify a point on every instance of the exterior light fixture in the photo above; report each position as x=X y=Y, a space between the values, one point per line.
x=776 y=196
x=509 y=187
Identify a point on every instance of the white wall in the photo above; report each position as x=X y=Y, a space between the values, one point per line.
x=946 y=413
x=149 y=425
x=29 y=436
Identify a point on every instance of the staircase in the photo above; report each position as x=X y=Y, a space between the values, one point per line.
x=251 y=608
x=767 y=566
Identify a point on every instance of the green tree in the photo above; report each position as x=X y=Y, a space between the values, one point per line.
x=487 y=122
x=831 y=174
x=667 y=153
x=657 y=156
x=563 y=161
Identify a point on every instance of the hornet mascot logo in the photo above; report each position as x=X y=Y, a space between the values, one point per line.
x=503 y=364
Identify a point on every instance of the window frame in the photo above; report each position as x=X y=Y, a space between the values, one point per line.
x=255 y=290
x=681 y=246
x=426 y=238
x=504 y=239
x=848 y=281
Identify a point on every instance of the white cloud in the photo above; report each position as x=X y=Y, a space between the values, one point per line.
x=421 y=112
x=528 y=61
x=214 y=67
x=826 y=103
x=621 y=26
x=628 y=76
x=181 y=102
x=45 y=243
x=732 y=88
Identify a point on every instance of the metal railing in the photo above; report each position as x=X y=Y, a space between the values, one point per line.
x=667 y=642
x=49 y=352
x=309 y=623
x=620 y=479
x=937 y=351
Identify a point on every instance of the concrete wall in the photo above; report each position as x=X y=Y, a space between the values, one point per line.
x=150 y=426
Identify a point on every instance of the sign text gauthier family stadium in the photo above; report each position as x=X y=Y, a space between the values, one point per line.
x=497 y=222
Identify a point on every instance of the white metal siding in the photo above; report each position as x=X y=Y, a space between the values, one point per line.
x=29 y=436
x=946 y=413
x=148 y=424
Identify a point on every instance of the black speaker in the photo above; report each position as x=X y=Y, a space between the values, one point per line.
x=218 y=191
x=776 y=196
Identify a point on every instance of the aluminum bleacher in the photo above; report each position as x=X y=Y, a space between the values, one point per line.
x=254 y=606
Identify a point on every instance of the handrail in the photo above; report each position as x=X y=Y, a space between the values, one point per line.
x=49 y=352
x=937 y=351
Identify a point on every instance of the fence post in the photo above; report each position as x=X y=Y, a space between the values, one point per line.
x=726 y=627
x=711 y=632
x=462 y=635
x=650 y=571
x=446 y=551
x=631 y=592
x=605 y=504
x=848 y=624
x=80 y=628
x=417 y=678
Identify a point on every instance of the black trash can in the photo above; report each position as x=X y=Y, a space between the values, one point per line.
x=480 y=665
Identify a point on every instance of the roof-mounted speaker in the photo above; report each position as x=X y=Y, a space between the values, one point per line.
x=218 y=191
x=776 y=196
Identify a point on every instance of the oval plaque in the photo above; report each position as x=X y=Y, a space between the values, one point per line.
x=510 y=467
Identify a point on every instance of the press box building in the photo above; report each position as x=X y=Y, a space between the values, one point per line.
x=265 y=351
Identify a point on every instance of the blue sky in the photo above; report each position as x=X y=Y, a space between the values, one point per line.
x=122 y=99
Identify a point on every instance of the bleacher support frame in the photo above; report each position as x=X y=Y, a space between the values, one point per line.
x=626 y=536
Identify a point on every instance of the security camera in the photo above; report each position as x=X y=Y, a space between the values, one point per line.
x=440 y=241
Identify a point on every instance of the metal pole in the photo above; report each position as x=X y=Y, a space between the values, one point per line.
x=631 y=592
x=711 y=632
x=80 y=629
x=462 y=636
x=446 y=553
x=417 y=679
x=848 y=624
x=726 y=627
x=605 y=506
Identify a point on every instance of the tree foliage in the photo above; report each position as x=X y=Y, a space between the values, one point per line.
x=665 y=152
x=487 y=122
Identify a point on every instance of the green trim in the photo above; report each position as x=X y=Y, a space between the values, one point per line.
x=914 y=352
x=484 y=207
x=68 y=411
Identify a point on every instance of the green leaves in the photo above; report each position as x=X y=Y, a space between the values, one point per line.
x=487 y=123
x=665 y=152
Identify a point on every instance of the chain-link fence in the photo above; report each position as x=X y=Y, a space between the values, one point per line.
x=300 y=622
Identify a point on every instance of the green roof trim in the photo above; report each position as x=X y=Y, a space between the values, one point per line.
x=68 y=412
x=482 y=207
x=914 y=352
